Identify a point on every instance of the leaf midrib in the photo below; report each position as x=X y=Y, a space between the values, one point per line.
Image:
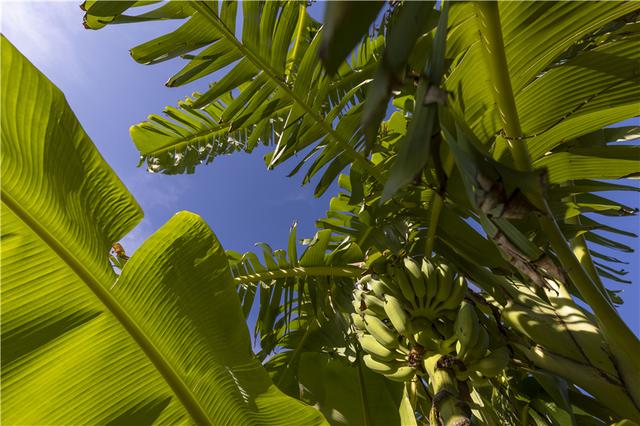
x=299 y=271
x=173 y=379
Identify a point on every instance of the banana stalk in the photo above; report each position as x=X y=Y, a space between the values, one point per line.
x=447 y=409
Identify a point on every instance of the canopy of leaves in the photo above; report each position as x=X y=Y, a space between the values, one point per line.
x=403 y=99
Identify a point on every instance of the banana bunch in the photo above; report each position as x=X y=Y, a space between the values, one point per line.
x=382 y=324
x=405 y=314
x=472 y=347
x=427 y=290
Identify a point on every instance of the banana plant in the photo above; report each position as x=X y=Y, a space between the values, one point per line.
x=163 y=341
x=476 y=136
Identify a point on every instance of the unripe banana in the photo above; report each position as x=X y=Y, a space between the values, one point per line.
x=374 y=304
x=358 y=305
x=401 y=280
x=379 y=288
x=474 y=340
x=479 y=349
x=494 y=363
x=358 y=322
x=417 y=280
x=466 y=328
x=364 y=280
x=445 y=328
x=404 y=350
x=448 y=346
x=378 y=366
x=397 y=315
x=428 y=272
x=371 y=346
x=452 y=302
x=444 y=287
x=379 y=330
x=402 y=374
x=420 y=323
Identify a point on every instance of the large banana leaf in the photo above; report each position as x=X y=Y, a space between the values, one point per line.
x=164 y=342
x=566 y=62
x=275 y=93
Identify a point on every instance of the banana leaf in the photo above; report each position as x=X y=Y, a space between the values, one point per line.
x=163 y=342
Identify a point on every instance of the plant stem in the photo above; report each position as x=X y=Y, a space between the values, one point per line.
x=622 y=341
x=446 y=403
x=491 y=34
x=300 y=271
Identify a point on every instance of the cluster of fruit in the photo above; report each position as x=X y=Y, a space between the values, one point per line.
x=416 y=311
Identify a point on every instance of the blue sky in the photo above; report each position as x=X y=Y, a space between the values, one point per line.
x=242 y=201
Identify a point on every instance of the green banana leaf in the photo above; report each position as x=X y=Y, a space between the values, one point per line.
x=349 y=394
x=164 y=342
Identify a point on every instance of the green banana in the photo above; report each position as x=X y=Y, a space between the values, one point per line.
x=417 y=280
x=403 y=349
x=443 y=288
x=379 y=288
x=420 y=323
x=467 y=329
x=428 y=271
x=401 y=281
x=379 y=330
x=402 y=374
x=397 y=315
x=371 y=346
x=358 y=322
x=364 y=280
x=374 y=304
x=479 y=349
x=358 y=304
x=378 y=366
x=452 y=302
x=463 y=375
x=494 y=363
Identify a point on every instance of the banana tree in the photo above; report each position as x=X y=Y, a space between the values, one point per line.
x=457 y=170
x=448 y=280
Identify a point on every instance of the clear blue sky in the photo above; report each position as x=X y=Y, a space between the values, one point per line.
x=242 y=201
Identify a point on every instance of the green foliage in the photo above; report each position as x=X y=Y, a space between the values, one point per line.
x=82 y=345
x=440 y=165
